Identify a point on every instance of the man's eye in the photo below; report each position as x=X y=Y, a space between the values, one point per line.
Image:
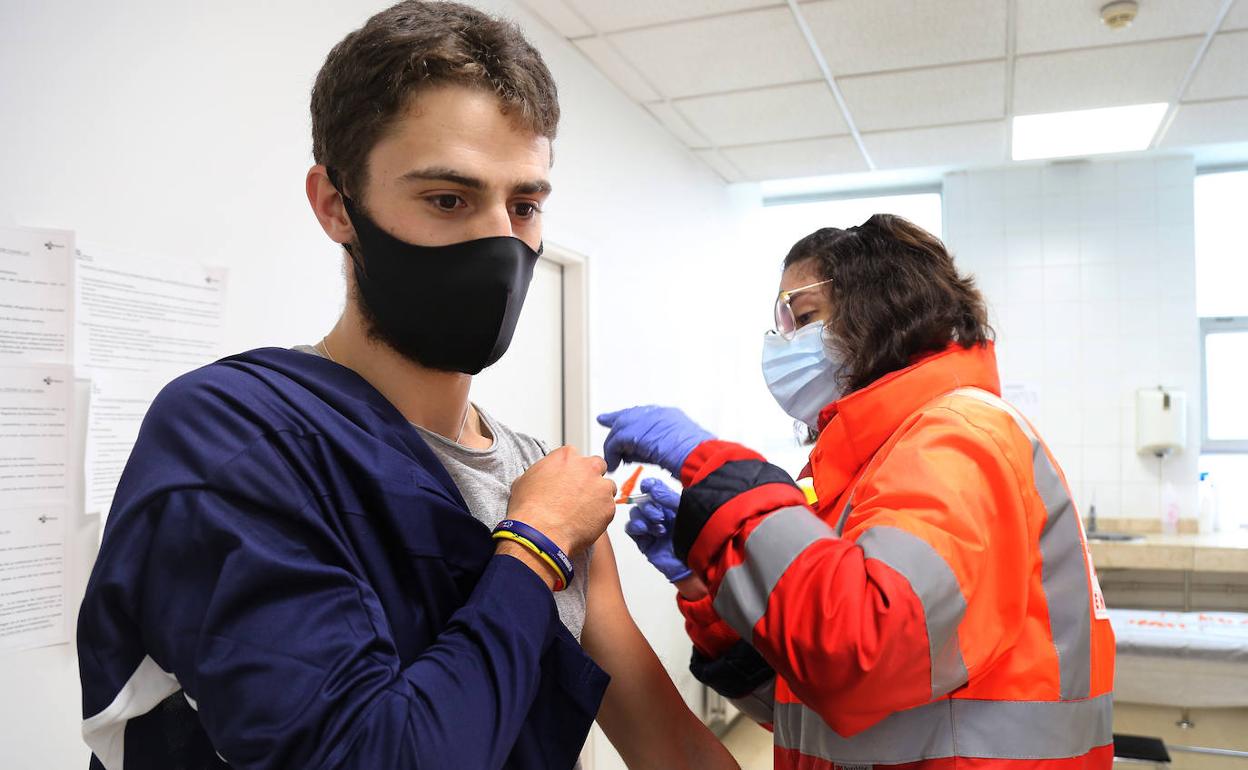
x=446 y=202
x=526 y=210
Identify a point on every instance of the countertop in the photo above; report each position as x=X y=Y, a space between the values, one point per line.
x=1213 y=552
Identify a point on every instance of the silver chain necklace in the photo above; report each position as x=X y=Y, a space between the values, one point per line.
x=324 y=346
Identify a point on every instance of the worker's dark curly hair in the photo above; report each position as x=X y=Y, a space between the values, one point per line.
x=895 y=293
x=368 y=78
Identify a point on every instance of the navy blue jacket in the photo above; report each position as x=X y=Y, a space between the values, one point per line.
x=290 y=579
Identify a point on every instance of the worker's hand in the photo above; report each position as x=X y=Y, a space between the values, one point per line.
x=660 y=435
x=650 y=525
x=565 y=497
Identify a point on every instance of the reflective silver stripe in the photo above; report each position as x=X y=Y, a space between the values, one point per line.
x=956 y=728
x=840 y=523
x=1064 y=575
x=933 y=581
x=1065 y=581
x=759 y=705
x=770 y=549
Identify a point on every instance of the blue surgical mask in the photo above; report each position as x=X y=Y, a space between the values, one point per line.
x=801 y=373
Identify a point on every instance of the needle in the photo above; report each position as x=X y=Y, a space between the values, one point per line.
x=626 y=490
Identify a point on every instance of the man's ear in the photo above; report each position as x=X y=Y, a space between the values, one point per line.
x=327 y=205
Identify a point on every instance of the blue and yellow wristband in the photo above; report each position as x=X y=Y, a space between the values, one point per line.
x=540 y=546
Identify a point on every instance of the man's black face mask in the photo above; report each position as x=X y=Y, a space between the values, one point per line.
x=452 y=307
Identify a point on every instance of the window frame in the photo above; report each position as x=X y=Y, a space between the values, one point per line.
x=1208 y=326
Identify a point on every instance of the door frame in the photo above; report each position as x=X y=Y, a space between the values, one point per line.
x=574 y=307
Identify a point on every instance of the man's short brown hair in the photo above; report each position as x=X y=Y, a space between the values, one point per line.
x=369 y=77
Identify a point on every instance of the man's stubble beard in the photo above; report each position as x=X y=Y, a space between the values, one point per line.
x=372 y=328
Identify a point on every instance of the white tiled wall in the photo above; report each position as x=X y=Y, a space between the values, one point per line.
x=1090 y=274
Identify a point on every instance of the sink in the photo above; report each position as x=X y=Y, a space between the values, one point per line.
x=1122 y=537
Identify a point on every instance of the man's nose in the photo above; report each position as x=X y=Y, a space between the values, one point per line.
x=493 y=220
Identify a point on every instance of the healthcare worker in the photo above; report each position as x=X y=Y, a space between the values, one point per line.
x=936 y=607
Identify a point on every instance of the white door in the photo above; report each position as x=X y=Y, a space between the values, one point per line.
x=525 y=389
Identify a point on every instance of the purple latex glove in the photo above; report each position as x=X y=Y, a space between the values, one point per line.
x=650 y=525
x=659 y=435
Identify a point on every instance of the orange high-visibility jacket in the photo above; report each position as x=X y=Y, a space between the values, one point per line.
x=938 y=606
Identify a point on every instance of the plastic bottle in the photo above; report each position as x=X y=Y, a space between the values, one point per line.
x=1207 y=520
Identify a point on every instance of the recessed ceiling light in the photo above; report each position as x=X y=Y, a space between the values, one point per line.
x=1086 y=132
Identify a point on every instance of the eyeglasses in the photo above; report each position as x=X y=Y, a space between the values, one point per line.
x=786 y=322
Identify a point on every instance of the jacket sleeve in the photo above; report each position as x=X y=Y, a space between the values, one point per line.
x=866 y=625
x=726 y=663
x=284 y=649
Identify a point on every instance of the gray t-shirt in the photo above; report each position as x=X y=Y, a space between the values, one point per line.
x=484 y=478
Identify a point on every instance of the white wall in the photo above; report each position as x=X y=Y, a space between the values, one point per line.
x=175 y=129
x=1090 y=271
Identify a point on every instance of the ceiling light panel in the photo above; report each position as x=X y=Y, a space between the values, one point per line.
x=859 y=37
x=1086 y=132
x=725 y=53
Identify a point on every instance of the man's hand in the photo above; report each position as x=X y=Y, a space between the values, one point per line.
x=565 y=497
x=660 y=435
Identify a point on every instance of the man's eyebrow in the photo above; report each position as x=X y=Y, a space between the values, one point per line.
x=534 y=187
x=446 y=174
x=443 y=174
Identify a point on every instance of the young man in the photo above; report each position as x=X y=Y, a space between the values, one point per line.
x=298 y=571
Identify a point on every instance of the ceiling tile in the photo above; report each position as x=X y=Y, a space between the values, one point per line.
x=957 y=94
x=560 y=15
x=785 y=160
x=1055 y=25
x=677 y=124
x=774 y=114
x=1238 y=17
x=970 y=144
x=614 y=66
x=1209 y=123
x=716 y=161
x=725 y=53
x=1101 y=77
x=859 y=37
x=614 y=15
x=1224 y=70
